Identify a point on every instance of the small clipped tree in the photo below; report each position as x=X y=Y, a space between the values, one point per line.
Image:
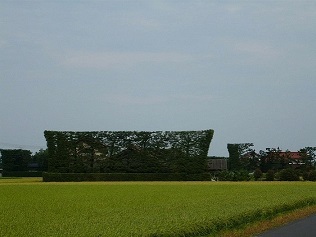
x=257 y=174
x=270 y=175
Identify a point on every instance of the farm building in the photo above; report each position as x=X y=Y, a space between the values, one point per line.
x=283 y=159
x=217 y=163
x=294 y=158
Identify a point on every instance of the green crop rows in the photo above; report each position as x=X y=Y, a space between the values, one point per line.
x=32 y=208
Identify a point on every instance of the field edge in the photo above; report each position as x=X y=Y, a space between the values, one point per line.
x=260 y=227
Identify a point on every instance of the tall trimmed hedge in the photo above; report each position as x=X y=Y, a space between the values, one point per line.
x=234 y=157
x=128 y=151
x=241 y=157
x=14 y=160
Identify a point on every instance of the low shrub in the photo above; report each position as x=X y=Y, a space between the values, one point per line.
x=270 y=175
x=79 y=177
x=289 y=175
x=305 y=175
x=22 y=174
x=310 y=176
x=240 y=175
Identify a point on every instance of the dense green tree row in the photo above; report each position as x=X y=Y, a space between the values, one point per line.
x=128 y=152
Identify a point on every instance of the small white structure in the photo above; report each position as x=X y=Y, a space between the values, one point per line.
x=1 y=172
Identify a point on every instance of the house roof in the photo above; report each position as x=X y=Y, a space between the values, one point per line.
x=291 y=154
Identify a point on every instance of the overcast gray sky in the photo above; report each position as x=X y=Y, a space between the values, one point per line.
x=243 y=68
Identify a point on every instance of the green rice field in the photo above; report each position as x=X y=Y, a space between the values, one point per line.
x=30 y=207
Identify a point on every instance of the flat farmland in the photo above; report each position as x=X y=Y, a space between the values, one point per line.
x=30 y=207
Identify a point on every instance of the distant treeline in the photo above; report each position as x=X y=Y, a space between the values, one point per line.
x=142 y=154
x=243 y=157
x=18 y=162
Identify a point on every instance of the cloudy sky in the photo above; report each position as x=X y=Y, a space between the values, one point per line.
x=246 y=69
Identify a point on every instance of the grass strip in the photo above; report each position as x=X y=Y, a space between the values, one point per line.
x=262 y=226
x=239 y=221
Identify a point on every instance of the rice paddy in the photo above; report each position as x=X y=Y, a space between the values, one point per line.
x=30 y=207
